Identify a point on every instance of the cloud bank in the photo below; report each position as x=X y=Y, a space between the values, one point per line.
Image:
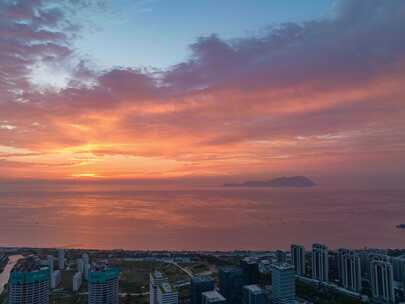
x=323 y=97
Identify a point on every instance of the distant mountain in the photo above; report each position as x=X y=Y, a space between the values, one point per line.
x=293 y=181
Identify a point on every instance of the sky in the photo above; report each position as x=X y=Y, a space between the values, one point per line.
x=219 y=91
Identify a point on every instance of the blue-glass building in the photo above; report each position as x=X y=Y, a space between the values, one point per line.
x=231 y=281
x=250 y=268
x=200 y=284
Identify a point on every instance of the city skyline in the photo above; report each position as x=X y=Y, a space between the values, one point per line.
x=147 y=90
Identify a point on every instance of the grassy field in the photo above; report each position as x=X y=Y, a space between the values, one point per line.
x=196 y=268
x=135 y=274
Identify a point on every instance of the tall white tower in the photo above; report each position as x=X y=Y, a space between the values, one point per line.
x=298 y=259
x=61 y=259
x=382 y=279
x=320 y=263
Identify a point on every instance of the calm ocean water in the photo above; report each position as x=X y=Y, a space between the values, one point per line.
x=200 y=218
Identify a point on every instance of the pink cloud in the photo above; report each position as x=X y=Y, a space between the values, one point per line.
x=301 y=96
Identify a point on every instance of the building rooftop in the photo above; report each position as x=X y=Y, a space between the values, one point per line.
x=213 y=295
x=157 y=274
x=27 y=265
x=29 y=270
x=255 y=289
x=201 y=278
x=250 y=260
x=101 y=275
x=282 y=266
x=165 y=287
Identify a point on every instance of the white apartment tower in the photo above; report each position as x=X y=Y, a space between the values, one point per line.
x=298 y=259
x=382 y=280
x=351 y=271
x=166 y=294
x=155 y=279
x=50 y=264
x=320 y=264
x=61 y=259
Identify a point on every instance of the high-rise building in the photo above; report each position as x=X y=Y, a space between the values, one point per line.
x=253 y=294
x=77 y=281
x=398 y=268
x=281 y=256
x=103 y=284
x=320 y=263
x=155 y=279
x=167 y=294
x=250 y=268
x=298 y=259
x=200 y=284
x=61 y=259
x=339 y=257
x=213 y=297
x=283 y=284
x=56 y=278
x=50 y=265
x=29 y=283
x=366 y=257
x=350 y=270
x=86 y=271
x=382 y=280
x=86 y=258
x=231 y=281
x=80 y=265
x=86 y=265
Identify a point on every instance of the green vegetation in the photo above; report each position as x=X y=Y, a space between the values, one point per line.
x=197 y=267
x=67 y=279
x=319 y=296
x=67 y=299
x=135 y=274
x=3 y=298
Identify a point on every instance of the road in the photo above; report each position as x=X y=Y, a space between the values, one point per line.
x=186 y=271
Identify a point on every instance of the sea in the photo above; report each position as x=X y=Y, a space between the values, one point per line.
x=205 y=218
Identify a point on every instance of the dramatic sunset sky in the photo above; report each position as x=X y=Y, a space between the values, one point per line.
x=203 y=90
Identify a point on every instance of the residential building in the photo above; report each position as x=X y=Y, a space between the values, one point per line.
x=77 y=281
x=231 y=281
x=200 y=284
x=56 y=278
x=61 y=259
x=213 y=297
x=283 y=284
x=398 y=268
x=29 y=283
x=281 y=256
x=80 y=265
x=298 y=259
x=250 y=268
x=167 y=294
x=253 y=294
x=320 y=263
x=155 y=279
x=351 y=271
x=103 y=284
x=382 y=281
